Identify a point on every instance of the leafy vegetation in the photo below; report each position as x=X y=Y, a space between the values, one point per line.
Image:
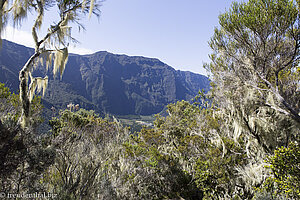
x=284 y=165
x=239 y=141
x=24 y=153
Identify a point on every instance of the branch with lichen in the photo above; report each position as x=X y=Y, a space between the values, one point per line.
x=59 y=55
x=286 y=106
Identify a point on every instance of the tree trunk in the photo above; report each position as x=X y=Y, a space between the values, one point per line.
x=23 y=77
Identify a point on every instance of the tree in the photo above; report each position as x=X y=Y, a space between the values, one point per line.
x=259 y=43
x=255 y=68
x=53 y=46
x=256 y=80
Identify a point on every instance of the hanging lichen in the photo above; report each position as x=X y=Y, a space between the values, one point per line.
x=91 y=7
x=37 y=84
x=19 y=10
x=60 y=61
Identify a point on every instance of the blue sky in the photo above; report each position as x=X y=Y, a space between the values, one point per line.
x=175 y=31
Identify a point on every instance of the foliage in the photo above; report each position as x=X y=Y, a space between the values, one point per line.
x=285 y=172
x=216 y=172
x=146 y=168
x=24 y=154
x=10 y=108
x=80 y=139
x=178 y=158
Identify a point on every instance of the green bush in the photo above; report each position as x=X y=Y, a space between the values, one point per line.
x=284 y=167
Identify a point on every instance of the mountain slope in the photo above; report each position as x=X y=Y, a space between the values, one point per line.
x=108 y=83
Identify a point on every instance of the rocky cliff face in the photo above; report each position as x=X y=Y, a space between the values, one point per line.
x=12 y=58
x=108 y=83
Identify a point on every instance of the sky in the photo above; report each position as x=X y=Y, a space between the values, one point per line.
x=174 y=31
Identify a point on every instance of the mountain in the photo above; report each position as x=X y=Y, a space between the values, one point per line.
x=107 y=83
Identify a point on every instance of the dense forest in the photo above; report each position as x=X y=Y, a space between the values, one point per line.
x=238 y=141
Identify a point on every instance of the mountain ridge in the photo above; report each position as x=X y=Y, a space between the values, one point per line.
x=106 y=82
